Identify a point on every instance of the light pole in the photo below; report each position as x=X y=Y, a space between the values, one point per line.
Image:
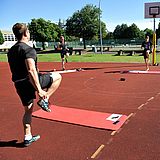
x=100 y=28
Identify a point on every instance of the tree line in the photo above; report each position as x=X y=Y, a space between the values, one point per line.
x=83 y=24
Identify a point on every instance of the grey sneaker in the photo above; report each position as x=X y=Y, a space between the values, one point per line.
x=44 y=105
x=33 y=139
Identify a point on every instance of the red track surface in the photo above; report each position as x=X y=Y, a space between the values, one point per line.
x=97 y=88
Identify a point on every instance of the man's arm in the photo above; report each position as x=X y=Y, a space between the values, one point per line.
x=33 y=76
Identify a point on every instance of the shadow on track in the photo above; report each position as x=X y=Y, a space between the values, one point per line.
x=12 y=143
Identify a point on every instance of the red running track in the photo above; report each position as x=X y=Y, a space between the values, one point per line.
x=99 y=89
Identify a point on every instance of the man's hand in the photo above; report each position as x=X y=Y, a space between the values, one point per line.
x=43 y=94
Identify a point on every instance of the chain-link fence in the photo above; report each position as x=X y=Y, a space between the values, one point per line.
x=90 y=43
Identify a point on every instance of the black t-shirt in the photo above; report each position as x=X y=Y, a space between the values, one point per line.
x=16 y=59
x=63 y=47
x=147 y=45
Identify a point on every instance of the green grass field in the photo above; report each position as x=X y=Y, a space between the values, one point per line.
x=89 y=57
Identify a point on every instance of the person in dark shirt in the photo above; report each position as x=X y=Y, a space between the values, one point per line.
x=27 y=80
x=64 y=51
x=147 y=49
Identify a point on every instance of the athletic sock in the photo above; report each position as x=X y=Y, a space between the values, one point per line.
x=28 y=137
x=46 y=100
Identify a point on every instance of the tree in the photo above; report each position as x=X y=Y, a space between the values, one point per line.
x=120 y=31
x=133 y=32
x=1 y=38
x=142 y=34
x=148 y=32
x=104 y=30
x=44 y=31
x=85 y=23
x=109 y=35
x=125 y=32
x=117 y=32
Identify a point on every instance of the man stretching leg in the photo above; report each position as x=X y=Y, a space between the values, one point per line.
x=27 y=80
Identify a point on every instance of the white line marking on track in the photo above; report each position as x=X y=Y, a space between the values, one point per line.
x=130 y=115
x=150 y=99
x=140 y=107
x=146 y=103
x=113 y=133
x=97 y=151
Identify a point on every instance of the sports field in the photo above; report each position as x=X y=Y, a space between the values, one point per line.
x=90 y=57
x=97 y=88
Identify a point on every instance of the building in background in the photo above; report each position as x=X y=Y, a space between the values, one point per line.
x=8 y=36
x=9 y=40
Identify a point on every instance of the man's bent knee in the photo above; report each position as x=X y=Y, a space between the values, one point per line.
x=56 y=76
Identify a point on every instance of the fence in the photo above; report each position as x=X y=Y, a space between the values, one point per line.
x=89 y=43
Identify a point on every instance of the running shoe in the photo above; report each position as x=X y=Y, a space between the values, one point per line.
x=44 y=104
x=33 y=139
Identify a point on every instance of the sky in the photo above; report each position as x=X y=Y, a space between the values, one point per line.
x=114 y=12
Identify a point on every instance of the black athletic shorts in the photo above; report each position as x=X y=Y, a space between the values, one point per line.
x=63 y=54
x=145 y=54
x=26 y=91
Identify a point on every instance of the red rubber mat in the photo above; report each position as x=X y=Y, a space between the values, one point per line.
x=83 y=117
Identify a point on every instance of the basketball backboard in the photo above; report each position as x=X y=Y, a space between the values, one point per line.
x=152 y=10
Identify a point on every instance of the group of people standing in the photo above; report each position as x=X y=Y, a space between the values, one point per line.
x=28 y=80
x=146 y=45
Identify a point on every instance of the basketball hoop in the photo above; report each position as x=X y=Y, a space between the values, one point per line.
x=154 y=11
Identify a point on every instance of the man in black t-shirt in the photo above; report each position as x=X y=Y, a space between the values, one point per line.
x=147 y=49
x=22 y=60
x=64 y=51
